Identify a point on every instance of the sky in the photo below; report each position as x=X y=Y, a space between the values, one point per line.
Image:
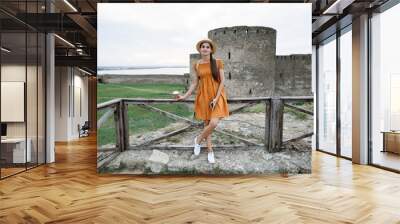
x=165 y=34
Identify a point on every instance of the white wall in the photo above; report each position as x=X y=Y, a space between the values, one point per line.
x=70 y=83
x=12 y=73
x=33 y=126
x=62 y=81
x=81 y=88
x=17 y=73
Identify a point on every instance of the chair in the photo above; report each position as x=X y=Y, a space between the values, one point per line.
x=84 y=130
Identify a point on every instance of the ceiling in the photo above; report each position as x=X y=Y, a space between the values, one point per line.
x=332 y=15
x=75 y=22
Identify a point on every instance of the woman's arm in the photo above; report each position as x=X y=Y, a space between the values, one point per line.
x=221 y=84
x=193 y=86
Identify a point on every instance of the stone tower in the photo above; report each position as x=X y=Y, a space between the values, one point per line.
x=249 y=54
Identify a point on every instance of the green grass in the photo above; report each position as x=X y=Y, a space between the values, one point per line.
x=141 y=119
x=106 y=92
x=106 y=133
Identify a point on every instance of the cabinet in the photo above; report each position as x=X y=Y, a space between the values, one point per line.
x=391 y=141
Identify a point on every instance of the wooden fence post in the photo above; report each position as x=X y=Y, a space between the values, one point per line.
x=122 y=125
x=267 y=124
x=275 y=129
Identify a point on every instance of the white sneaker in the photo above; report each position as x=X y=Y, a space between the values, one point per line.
x=197 y=147
x=210 y=157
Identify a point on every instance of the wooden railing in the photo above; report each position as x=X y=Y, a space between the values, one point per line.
x=274 y=107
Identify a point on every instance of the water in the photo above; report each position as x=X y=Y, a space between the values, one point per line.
x=147 y=71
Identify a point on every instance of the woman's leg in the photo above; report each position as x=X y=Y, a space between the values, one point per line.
x=212 y=124
x=209 y=145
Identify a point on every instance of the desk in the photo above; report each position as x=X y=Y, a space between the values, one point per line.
x=391 y=141
x=13 y=150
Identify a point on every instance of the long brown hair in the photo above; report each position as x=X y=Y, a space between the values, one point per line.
x=213 y=64
x=214 y=69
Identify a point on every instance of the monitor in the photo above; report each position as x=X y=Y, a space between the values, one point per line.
x=3 y=129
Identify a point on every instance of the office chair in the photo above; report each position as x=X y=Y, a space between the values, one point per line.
x=84 y=130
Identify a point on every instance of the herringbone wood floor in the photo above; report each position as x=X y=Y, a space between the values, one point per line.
x=70 y=191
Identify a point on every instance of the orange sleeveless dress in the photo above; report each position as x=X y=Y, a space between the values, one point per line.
x=206 y=91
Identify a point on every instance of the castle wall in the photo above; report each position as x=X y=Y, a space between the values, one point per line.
x=249 y=58
x=293 y=75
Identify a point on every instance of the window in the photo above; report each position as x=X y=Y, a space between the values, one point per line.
x=346 y=93
x=22 y=65
x=327 y=95
x=385 y=87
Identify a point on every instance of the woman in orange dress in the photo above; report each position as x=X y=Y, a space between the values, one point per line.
x=211 y=103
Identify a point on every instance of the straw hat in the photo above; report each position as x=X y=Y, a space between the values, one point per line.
x=213 y=46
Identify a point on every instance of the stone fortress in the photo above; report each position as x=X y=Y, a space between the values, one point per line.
x=251 y=66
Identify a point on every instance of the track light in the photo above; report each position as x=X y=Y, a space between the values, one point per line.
x=70 y=5
x=5 y=50
x=86 y=72
x=64 y=40
x=338 y=6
